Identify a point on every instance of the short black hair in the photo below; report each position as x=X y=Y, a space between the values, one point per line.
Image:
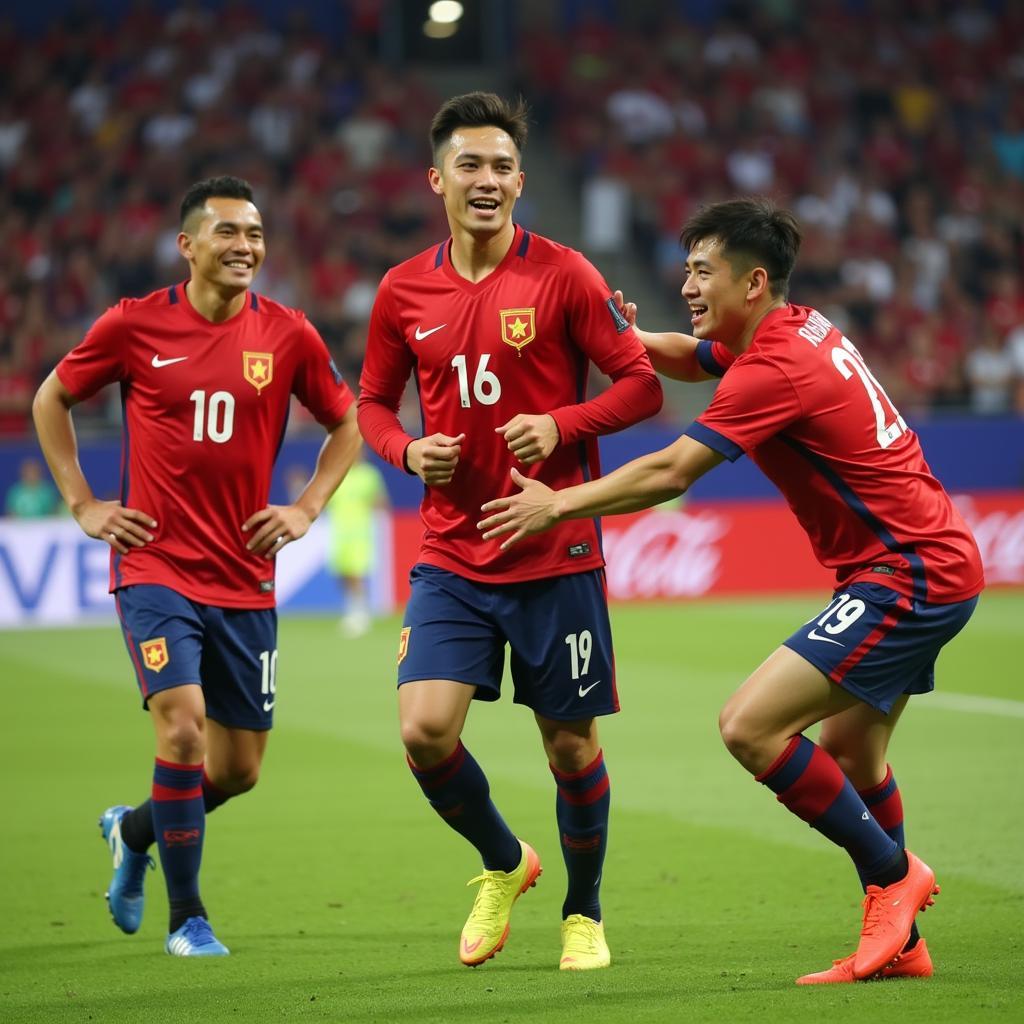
x=753 y=232
x=479 y=110
x=222 y=187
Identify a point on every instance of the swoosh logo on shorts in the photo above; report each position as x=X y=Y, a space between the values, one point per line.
x=583 y=692
x=815 y=635
x=268 y=705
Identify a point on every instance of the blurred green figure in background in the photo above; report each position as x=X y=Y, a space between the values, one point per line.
x=351 y=514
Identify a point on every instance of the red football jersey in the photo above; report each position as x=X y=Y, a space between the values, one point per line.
x=519 y=341
x=806 y=408
x=205 y=407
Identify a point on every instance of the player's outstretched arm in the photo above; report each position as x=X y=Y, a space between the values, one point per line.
x=640 y=484
x=671 y=353
x=122 y=528
x=277 y=525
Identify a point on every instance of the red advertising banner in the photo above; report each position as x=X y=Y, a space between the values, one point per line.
x=744 y=547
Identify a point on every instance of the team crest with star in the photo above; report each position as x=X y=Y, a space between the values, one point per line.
x=518 y=326
x=258 y=368
x=154 y=653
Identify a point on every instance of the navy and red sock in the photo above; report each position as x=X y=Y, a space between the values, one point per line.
x=809 y=783
x=581 y=809
x=179 y=822
x=458 y=790
x=137 y=825
x=886 y=807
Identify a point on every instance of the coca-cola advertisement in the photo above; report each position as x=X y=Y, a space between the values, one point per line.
x=741 y=548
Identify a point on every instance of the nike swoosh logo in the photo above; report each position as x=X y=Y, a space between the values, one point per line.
x=583 y=692
x=814 y=635
x=472 y=949
x=158 y=362
x=268 y=705
x=420 y=335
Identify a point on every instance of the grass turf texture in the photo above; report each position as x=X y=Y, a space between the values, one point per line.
x=341 y=895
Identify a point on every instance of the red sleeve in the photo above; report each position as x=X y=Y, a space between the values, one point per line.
x=318 y=384
x=598 y=329
x=386 y=367
x=755 y=401
x=98 y=359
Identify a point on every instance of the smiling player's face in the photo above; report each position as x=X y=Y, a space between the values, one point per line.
x=225 y=243
x=716 y=292
x=479 y=180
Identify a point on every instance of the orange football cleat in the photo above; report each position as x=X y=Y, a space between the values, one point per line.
x=915 y=963
x=889 y=915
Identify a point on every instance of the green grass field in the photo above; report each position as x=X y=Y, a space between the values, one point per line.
x=342 y=896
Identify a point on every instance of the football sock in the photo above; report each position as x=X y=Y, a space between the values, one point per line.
x=137 y=825
x=179 y=823
x=581 y=809
x=810 y=783
x=886 y=807
x=457 y=789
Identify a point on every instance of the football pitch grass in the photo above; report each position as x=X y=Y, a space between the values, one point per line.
x=342 y=896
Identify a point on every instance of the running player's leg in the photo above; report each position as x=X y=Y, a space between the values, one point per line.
x=563 y=668
x=450 y=653
x=179 y=820
x=858 y=739
x=582 y=802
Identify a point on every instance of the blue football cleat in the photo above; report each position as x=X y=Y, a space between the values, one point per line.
x=195 y=938
x=125 y=896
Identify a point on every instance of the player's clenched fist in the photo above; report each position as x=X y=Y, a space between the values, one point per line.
x=530 y=438
x=433 y=459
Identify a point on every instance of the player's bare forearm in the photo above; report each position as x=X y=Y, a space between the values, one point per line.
x=271 y=528
x=122 y=528
x=673 y=355
x=642 y=483
x=335 y=459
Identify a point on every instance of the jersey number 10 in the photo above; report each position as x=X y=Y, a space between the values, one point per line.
x=216 y=421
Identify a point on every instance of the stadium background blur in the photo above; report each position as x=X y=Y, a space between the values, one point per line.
x=895 y=132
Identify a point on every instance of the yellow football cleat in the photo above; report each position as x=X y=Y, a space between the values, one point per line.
x=487 y=925
x=583 y=944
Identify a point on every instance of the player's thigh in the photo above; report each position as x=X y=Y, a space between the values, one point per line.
x=239 y=666
x=563 y=665
x=449 y=633
x=877 y=644
x=783 y=696
x=163 y=632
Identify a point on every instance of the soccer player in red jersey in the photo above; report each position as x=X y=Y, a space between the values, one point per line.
x=797 y=396
x=207 y=370
x=500 y=326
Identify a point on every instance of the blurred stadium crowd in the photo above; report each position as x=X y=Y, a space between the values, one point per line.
x=895 y=132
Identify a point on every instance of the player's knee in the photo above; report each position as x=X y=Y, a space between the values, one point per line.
x=569 y=752
x=241 y=779
x=184 y=737
x=739 y=738
x=427 y=742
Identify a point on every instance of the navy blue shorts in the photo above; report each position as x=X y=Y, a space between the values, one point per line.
x=878 y=644
x=230 y=652
x=557 y=628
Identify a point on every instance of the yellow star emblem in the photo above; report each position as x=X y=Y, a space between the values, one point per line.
x=259 y=370
x=154 y=655
x=518 y=329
